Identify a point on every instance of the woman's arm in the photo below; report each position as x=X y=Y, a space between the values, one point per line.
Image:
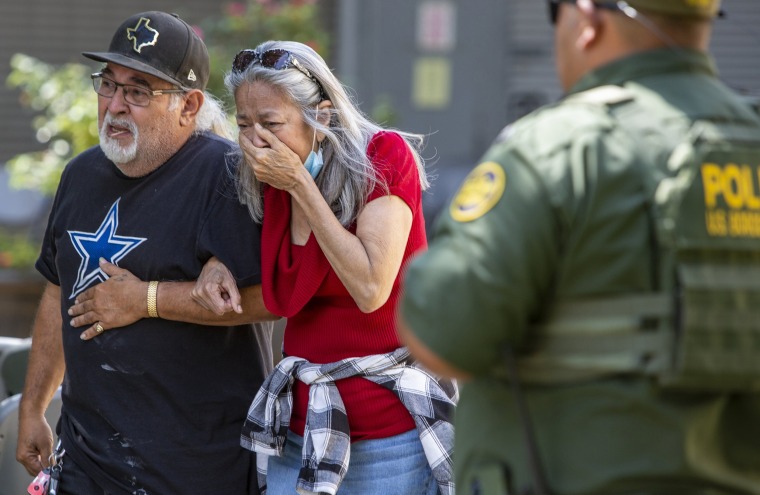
x=368 y=262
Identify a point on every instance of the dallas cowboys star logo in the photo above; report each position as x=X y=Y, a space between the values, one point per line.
x=103 y=243
x=142 y=34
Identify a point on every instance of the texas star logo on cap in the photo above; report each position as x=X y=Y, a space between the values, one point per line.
x=142 y=34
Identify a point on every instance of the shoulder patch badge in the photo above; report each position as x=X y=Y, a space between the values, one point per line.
x=142 y=34
x=481 y=190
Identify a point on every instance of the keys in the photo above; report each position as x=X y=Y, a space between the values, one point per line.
x=40 y=483
x=46 y=482
x=55 y=478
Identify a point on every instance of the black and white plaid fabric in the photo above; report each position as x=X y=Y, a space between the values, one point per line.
x=430 y=401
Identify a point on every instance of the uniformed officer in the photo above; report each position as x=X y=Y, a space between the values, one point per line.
x=610 y=243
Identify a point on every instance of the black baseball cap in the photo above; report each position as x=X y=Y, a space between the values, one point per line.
x=162 y=45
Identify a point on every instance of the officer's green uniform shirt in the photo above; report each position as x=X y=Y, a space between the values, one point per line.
x=557 y=211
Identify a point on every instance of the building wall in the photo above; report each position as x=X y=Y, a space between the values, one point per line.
x=736 y=38
x=502 y=66
x=500 y=62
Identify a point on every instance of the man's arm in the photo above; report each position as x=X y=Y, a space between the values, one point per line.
x=44 y=375
x=122 y=300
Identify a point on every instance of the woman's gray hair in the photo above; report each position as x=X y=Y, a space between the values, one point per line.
x=211 y=116
x=348 y=175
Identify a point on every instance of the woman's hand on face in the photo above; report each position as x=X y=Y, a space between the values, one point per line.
x=276 y=165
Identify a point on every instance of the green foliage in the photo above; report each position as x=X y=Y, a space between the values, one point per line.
x=67 y=123
x=383 y=112
x=17 y=250
x=247 y=24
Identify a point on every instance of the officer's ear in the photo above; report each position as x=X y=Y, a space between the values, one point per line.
x=191 y=105
x=590 y=24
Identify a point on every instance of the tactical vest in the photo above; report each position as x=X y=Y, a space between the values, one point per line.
x=701 y=332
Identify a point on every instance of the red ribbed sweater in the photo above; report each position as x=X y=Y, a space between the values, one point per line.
x=324 y=323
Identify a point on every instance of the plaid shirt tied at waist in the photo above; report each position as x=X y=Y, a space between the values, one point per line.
x=327 y=441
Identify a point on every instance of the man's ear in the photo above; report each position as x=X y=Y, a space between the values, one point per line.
x=591 y=24
x=193 y=102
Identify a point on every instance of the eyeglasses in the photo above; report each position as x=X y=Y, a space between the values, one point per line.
x=134 y=95
x=276 y=59
x=620 y=5
x=554 y=7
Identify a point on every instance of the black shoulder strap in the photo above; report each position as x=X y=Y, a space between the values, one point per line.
x=531 y=445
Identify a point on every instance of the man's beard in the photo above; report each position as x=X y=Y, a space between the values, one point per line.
x=148 y=149
x=111 y=147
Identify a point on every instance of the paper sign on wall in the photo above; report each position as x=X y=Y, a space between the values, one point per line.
x=436 y=26
x=431 y=83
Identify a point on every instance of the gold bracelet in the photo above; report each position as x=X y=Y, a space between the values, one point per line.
x=153 y=299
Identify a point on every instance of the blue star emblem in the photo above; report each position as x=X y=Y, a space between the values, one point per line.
x=103 y=243
x=142 y=34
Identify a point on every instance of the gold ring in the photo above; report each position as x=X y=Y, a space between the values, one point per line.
x=99 y=328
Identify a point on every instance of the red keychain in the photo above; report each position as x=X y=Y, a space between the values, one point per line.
x=46 y=482
x=39 y=484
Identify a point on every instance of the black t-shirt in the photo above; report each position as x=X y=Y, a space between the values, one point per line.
x=157 y=407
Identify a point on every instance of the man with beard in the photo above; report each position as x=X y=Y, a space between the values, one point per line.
x=155 y=406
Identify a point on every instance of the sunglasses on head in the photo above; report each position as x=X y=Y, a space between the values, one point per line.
x=276 y=59
x=554 y=7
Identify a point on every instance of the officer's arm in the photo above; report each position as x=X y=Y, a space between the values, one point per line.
x=425 y=355
x=489 y=265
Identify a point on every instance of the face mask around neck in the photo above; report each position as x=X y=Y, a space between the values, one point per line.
x=314 y=162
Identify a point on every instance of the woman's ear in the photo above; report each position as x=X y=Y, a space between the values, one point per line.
x=323 y=112
x=323 y=116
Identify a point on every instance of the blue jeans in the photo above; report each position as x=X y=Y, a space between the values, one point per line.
x=377 y=467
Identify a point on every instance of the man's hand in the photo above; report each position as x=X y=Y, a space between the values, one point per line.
x=35 y=443
x=216 y=289
x=119 y=301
